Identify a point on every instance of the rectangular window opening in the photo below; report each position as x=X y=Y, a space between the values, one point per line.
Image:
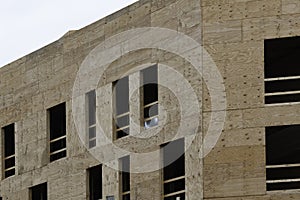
x=150 y=96
x=91 y=115
x=174 y=170
x=95 y=182
x=282 y=71
x=39 y=192
x=282 y=157
x=121 y=112
x=57 y=124
x=9 y=158
x=125 y=177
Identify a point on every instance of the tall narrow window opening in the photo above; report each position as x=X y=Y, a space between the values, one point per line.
x=57 y=120
x=39 y=192
x=9 y=150
x=174 y=170
x=150 y=96
x=125 y=178
x=95 y=182
x=91 y=115
x=122 y=113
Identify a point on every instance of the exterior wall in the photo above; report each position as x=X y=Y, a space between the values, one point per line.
x=233 y=34
x=232 y=31
x=45 y=78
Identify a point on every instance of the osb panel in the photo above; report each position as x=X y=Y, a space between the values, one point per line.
x=233 y=33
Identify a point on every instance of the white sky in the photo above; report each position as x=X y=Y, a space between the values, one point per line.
x=26 y=26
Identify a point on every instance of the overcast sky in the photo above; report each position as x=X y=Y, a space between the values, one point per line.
x=26 y=26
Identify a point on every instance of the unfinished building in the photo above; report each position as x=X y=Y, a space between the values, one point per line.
x=164 y=99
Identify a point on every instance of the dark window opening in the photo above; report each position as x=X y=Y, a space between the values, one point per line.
x=283 y=173
x=39 y=192
x=57 y=145
x=9 y=172
x=282 y=85
x=9 y=140
x=122 y=121
x=283 y=186
x=58 y=155
x=9 y=163
x=282 y=71
x=92 y=143
x=282 y=157
x=9 y=150
x=173 y=159
x=91 y=109
x=282 y=98
x=122 y=133
x=150 y=84
x=121 y=93
x=125 y=177
x=283 y=144
x=150 y=96
x=95 y=182
x=174 y=170
x=126 y=197
x=57 y=120
x=282 y=57
x=174 y=186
